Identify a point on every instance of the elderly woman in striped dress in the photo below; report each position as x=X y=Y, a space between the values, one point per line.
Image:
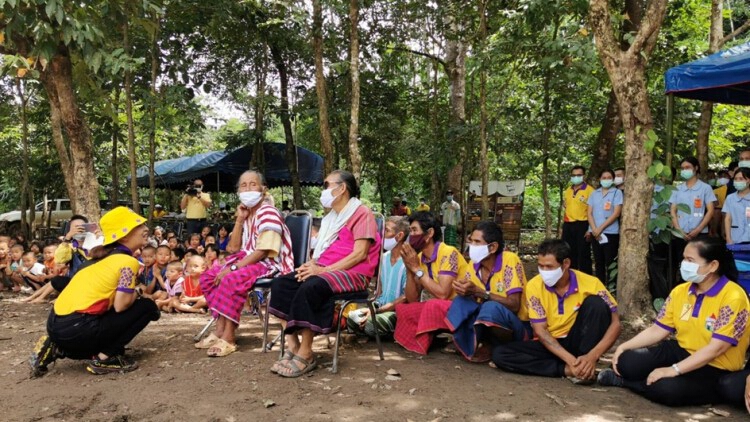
x=262 y=247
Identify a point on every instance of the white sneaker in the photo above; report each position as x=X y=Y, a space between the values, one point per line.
x=27 y=290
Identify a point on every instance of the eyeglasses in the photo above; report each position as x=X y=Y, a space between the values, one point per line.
x=326 y=184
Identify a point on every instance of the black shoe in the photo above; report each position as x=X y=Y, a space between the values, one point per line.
x=110 y=365
x=608 y=378
x=45 y=352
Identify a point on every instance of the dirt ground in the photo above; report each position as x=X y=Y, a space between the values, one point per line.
x=178 y=382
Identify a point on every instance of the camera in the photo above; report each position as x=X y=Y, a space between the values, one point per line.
x=192 y=190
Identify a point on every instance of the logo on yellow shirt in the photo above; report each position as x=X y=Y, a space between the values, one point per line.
x=710 y=322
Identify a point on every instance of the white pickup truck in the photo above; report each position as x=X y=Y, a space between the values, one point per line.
x=59 y=210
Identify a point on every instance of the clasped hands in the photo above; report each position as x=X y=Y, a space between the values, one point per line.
x=307 y=270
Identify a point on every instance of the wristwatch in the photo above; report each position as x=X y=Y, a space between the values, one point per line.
x=486 y=296
x=419 y=274
x=676 y=369
x=233 y=267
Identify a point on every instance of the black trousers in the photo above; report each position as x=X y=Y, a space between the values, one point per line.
x=574 y=233
x=532 y=358
x=302 y=305
x=691 y=389
x=193 y=225
x=732 y=386
x=604 y=256
x=81 y=336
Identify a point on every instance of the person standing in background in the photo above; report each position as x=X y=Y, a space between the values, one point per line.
x=450 y=211
x=575 y=224
x=195 y=204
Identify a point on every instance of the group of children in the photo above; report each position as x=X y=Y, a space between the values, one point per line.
x=170 y=274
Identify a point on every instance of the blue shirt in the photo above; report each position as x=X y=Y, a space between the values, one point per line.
x=392 y=279
x=696 y=198
x=603 y=206
x=738 y=208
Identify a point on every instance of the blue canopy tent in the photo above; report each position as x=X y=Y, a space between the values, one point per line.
x=219 y=170
x=722 y=77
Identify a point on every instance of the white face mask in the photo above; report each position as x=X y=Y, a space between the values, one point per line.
x=250 y=198
x=389 y=243
x=744 y=163
x=723 y=181
x=477 y=253
x=551 y=277
x=689 y=272
x=619 y=181
x=327 y=198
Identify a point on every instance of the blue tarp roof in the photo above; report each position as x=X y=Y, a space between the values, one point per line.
x=723 y=77
x=219 y=170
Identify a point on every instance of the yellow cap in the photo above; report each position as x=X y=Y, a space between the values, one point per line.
x=118 y=222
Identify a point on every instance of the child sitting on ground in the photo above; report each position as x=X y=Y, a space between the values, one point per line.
x=173 y=242
x=146 y=273
x=16 y=253
x=32 y=272
x=211 y=254
x=37 y=247
x=163 y=257
x=50 y=272
x=4 y=264
x=173 y=282
x=192 y=299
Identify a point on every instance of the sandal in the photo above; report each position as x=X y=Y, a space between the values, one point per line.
x=294 y=370
x=207 y=342
x=221 y=348
x=288 y=355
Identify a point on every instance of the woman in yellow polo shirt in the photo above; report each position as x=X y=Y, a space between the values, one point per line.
x=708 y=316
x=100 y=311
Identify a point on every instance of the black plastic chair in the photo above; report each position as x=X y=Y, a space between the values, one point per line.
x=366 y=297
x=299 y=223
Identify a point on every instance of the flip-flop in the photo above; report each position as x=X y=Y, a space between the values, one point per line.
x=207 y=342
x=296 y=371
x=223 y=347
x=288 y=355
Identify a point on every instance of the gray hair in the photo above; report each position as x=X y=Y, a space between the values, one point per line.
x=401 y=223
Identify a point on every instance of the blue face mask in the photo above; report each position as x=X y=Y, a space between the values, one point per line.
x=576 y=180
x=686 y=174
x=740 y=186
x=606 y=183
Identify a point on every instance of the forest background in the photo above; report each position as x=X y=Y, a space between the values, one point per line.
x=414 y=97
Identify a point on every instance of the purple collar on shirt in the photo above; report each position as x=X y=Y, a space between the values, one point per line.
x=495 y=269
x=572 y=288
x=123 y=248
x=582 y=187
x=434 y=254
x=713 y=291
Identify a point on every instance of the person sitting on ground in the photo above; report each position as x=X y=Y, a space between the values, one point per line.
x=736 y=206
x=178 y=254
x=192 y=299
x=5 y=262
x=344 y=261
x=158 y=236
x=173 y=281
x=205 y=232
x=174 y=242
x=574 y=319
x=261 y=247
x=163 y=257
x=16 y=265
x=36 y=248
x=392 y=282
x=489 y=295
x=99 y=312
x=32 y=272
x=146 y=274
x=210 y=240
x=194 y=241
x=223 y=237
x=433 y=267
x=211 y=255
x=50 y=272
x=708 y=317
x=70 y=251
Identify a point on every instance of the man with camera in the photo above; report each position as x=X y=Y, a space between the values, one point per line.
x=195 y=203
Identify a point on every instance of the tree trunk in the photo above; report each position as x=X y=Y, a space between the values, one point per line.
x=257 y=159
x=356 y=158
x=152 y=112
x=707 y=108
x=131 y=130
x=291 y=150
x=25 y=186
x=77 y=160
x=455 y=67
x=484 y=160
x=115 y=194
x=604 y=145
x=627 y=72
x=326 y=143
x=546 y=135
